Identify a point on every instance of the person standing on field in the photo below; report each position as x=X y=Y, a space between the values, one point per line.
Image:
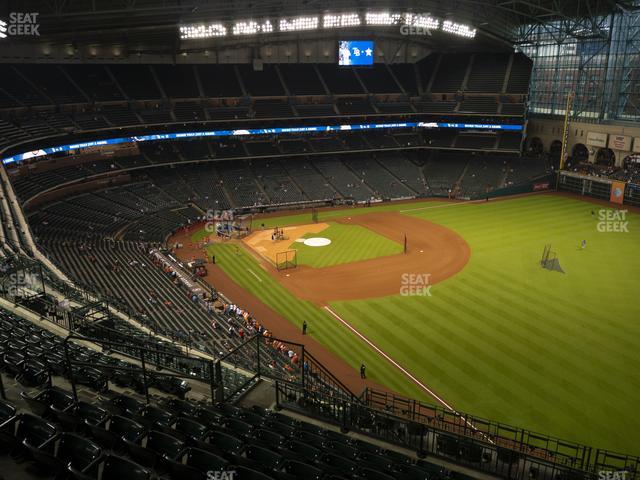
x=304 y=327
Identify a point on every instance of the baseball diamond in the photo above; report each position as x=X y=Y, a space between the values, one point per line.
x=480 y=258
x=319 y=240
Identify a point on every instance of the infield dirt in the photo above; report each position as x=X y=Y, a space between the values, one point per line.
x=431 y=250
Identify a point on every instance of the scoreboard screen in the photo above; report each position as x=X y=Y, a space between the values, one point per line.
x=355 y=52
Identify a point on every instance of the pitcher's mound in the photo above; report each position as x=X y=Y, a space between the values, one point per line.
x=317 y=242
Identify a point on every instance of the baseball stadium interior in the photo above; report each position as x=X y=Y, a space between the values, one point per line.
x=288 y=239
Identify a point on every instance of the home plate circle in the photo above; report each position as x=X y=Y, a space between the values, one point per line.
x=317 y=242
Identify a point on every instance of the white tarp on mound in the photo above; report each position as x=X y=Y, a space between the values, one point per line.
x=317 y=242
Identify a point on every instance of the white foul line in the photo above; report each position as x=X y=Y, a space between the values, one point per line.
x=467 y=202
x=253 y=273
x=389 y=359
x=451 y=204
x=402 y=369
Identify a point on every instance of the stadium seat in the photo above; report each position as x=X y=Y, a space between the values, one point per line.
x=205 y=415
x=55 y=363
x=8 y=420
x=265 y=457
x=337 y=464
x=151 y=416
x=158 y=446
x=204 y=460
x=92 y=378
x=226 y=443
x=244 y=473
x=34 y=430
x=125 y=403
x=269 y=438
x=238 y=427
x=113 y=468
x=91 y=414
x=369 y=474
x=66 y=449
x=312 y=439
x=180 y=471
x=117 y=429
x=7 y=411
x=373 y=460
x=47 y=399
x=342 y=449
x=295 y=449
x=191 y=429
x=12 y=362
x=181 y=408
x=303 y=470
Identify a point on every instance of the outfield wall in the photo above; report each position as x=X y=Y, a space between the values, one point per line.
x=545 y=182
x=597 y=187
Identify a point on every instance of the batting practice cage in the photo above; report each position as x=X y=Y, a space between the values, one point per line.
x=550 y=260
x=286 y=260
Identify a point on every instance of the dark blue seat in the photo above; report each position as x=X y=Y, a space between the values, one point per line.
x=158 y=446
x=34 y=430
x=66 y=449
x=113 y=468
x=116 y=430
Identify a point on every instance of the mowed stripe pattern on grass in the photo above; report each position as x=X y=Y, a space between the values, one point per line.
x=508 y=340
x=245 y=270
x=349 y=243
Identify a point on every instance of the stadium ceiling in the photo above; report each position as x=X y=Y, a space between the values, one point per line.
x=154 y=24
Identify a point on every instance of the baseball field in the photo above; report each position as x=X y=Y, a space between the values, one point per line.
x=467 y=314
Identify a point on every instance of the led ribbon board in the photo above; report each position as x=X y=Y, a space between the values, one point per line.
x=256 y=131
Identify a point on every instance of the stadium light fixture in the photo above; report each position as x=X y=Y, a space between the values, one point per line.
x=251 y=27
x=383 y=18
x=422 y=21
x=458 y=29
x=298 y=24
x=203 y=31
x=342 y=20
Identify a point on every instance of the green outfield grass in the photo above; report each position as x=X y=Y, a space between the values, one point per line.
x=349 y=243
x=505 y=339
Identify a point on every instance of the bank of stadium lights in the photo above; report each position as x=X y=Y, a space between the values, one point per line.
x=342 y=20
x=383 y=18
x=458 y=29
x=422 y=21
x=410 y=23
x=298 y=24
x=203 y=31
x=251 y=27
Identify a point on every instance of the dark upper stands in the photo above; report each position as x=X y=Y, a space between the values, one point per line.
x=137 y=81
x=302 y=79
x=76 y=98
x=451 y=73
x=25 y=84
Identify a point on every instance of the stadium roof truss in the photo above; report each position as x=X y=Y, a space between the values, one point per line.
x=597 y=57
